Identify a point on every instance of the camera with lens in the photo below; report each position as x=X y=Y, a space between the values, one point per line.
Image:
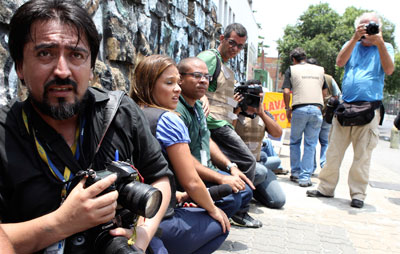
x=330 y=108
x=134 y=198
x=372 y=28
x=250 y=90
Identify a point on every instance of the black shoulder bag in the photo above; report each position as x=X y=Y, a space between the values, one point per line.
x=397 y=121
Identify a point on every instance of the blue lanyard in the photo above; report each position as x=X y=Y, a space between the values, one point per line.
x=201 y=126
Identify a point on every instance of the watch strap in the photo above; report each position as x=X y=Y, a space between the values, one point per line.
x=230 y=165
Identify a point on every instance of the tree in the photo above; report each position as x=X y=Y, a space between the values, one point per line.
x=392 y=82
x=321 y=32
x=261 y=46
x=313 y=32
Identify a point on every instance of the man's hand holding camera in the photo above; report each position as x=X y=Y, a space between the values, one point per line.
x=370 y=33
x=237 y=97
x=360 y=32
x=84 y=208
x=249 y=97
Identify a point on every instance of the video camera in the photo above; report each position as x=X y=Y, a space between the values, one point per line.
x=134 y=198
x=329 y=110
x=372 y=28
x=250 y=90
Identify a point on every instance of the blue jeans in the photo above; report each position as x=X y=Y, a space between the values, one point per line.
x=190 y=230
x=268 y=191
x=306 y=120
x=268 y=156
x=232 y=145
x=323 y=140
x=235 y=202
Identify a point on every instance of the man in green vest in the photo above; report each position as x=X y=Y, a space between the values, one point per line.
x=219 y=101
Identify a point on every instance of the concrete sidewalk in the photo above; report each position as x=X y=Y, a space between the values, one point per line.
x=321 y=225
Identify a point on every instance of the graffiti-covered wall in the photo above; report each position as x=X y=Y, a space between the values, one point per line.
x=130 y=30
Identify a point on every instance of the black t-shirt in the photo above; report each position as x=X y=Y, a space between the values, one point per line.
x=27 y=187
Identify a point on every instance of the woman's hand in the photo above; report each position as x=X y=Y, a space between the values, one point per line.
x=128 y=233
x=182 y=197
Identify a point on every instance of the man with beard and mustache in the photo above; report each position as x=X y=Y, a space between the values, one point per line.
x=54 y=45
x=219 y=104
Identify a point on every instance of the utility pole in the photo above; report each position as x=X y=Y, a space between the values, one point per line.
x=277 y=73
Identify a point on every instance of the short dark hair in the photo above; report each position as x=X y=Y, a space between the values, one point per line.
x=237 y=28
x=66 y=11
x=184 y=64
x=299 y=54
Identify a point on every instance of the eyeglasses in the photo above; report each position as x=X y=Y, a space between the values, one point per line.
x=197 y=75
x=233 y=43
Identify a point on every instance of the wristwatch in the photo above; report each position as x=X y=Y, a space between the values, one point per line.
x=231 y=165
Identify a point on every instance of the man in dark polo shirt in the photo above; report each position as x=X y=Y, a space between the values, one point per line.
x=194 y=84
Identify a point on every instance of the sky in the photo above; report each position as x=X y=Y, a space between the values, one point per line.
x=275 y=15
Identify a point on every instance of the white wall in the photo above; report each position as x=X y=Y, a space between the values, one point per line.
x=239 y=11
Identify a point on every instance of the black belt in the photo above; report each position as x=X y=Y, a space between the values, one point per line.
x=310 y=104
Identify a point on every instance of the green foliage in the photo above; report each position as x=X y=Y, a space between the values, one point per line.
x=322 y=32
x=392 y=82
x=318 y=19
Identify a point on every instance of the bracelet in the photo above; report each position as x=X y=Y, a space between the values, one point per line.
x=288 y=109
x=231 y=165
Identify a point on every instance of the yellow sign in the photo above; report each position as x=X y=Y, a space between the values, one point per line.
x=273 y=102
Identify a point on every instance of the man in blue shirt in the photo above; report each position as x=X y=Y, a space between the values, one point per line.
x=366 y=58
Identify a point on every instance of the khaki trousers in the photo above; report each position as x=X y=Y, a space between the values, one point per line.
x=364 y=139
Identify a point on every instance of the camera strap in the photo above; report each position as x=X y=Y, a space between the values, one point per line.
x=51 y=141
x=217 y=67
x=64 y=152
x=115 y=98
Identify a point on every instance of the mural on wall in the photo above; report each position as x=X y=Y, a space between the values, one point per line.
x=130 y=30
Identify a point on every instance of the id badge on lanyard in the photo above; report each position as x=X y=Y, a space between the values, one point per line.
x=203 y=156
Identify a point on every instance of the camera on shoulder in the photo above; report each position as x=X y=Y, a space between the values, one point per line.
x=134 y=198
x=250 y=90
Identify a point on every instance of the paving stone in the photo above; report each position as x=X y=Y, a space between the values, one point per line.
x=316 y=225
